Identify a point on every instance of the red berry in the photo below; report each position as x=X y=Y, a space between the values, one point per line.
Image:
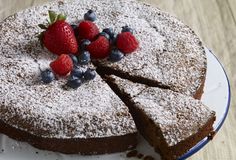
x=87 y=30
x=59 y=38
x=126 y=42
x=62 y=65
x=99 y=48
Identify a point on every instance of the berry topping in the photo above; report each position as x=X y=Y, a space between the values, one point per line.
x=47 y=76
x=77 y=72
x=83 y=44
x=87 y=30
x=126 y=42
x=62 y=65
x=84 y=58
x=99 y=48
x=105 y=35
x=90 y=15
x=127 y=29
x=109 y=31
x=74 y=59
x=58 y=36
x=116 y=55
x=74 y=82
x=89 y=74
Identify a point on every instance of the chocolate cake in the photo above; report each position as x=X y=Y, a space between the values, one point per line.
x=171 y=122
x=93 y=119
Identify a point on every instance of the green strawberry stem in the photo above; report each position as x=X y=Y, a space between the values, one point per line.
x=52 y=16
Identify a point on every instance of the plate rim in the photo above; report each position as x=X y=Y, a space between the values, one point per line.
x=203 y=142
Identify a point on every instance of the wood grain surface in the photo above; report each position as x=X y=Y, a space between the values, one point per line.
x=215 y=22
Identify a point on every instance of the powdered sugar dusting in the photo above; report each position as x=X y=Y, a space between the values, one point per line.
x=170 y=53
x=178 y=116
x=92 y=111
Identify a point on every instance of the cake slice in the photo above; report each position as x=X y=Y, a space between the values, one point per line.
x=171 y=122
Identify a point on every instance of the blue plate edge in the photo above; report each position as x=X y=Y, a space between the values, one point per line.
x=203 y=142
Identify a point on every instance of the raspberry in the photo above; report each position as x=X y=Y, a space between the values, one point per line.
x=62 y=65
x=87 y=30
x=126 y=42
x=99 y=48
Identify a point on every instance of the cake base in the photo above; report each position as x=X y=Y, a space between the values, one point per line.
x=90 y=146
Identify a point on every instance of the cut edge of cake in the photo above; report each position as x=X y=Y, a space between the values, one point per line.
x=103 y=70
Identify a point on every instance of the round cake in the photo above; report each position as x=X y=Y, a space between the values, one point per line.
x=91 y=119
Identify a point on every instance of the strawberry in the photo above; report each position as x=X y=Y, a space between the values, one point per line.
x=58 y=36
x=126 y=42
x=87 y=30
x=62 y=65
x=99 y=48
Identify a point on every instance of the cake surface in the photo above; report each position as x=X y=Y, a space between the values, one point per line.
x=178 y=119
x=170 y=56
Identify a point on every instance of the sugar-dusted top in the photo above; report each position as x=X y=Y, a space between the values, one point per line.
x=170 y=53
x=178 y=116
x=91 y=111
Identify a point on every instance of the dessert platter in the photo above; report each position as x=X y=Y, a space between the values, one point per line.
x=102 y=79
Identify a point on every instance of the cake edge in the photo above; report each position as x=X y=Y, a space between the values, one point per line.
x=82 y=146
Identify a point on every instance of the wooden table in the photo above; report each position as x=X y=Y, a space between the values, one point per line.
x=215 y=23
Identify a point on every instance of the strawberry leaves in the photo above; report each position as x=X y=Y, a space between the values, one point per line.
x=52 y=16
x=42 y=26
x=61 y=17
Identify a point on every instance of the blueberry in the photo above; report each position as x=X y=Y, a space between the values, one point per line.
x=74 y=82
x=74 y=59
x=75 y=29
x=84 y=58
x=83 y=45
x=90 y=15
x=77 y=72
x=109 y=31
x=113 y=39
x=116 y=55
x=47 y=76
x=89 y=74
x=127 y=29
x=105 y=35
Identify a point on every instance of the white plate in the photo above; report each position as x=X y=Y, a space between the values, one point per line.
x=216 y=96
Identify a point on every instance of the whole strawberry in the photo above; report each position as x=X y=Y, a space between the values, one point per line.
x=99 y=48
x=126 y=42
x=87 y=30
x=58 y=36
x=62 y=65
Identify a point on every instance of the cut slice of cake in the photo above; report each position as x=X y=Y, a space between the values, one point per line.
x=171 y=122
